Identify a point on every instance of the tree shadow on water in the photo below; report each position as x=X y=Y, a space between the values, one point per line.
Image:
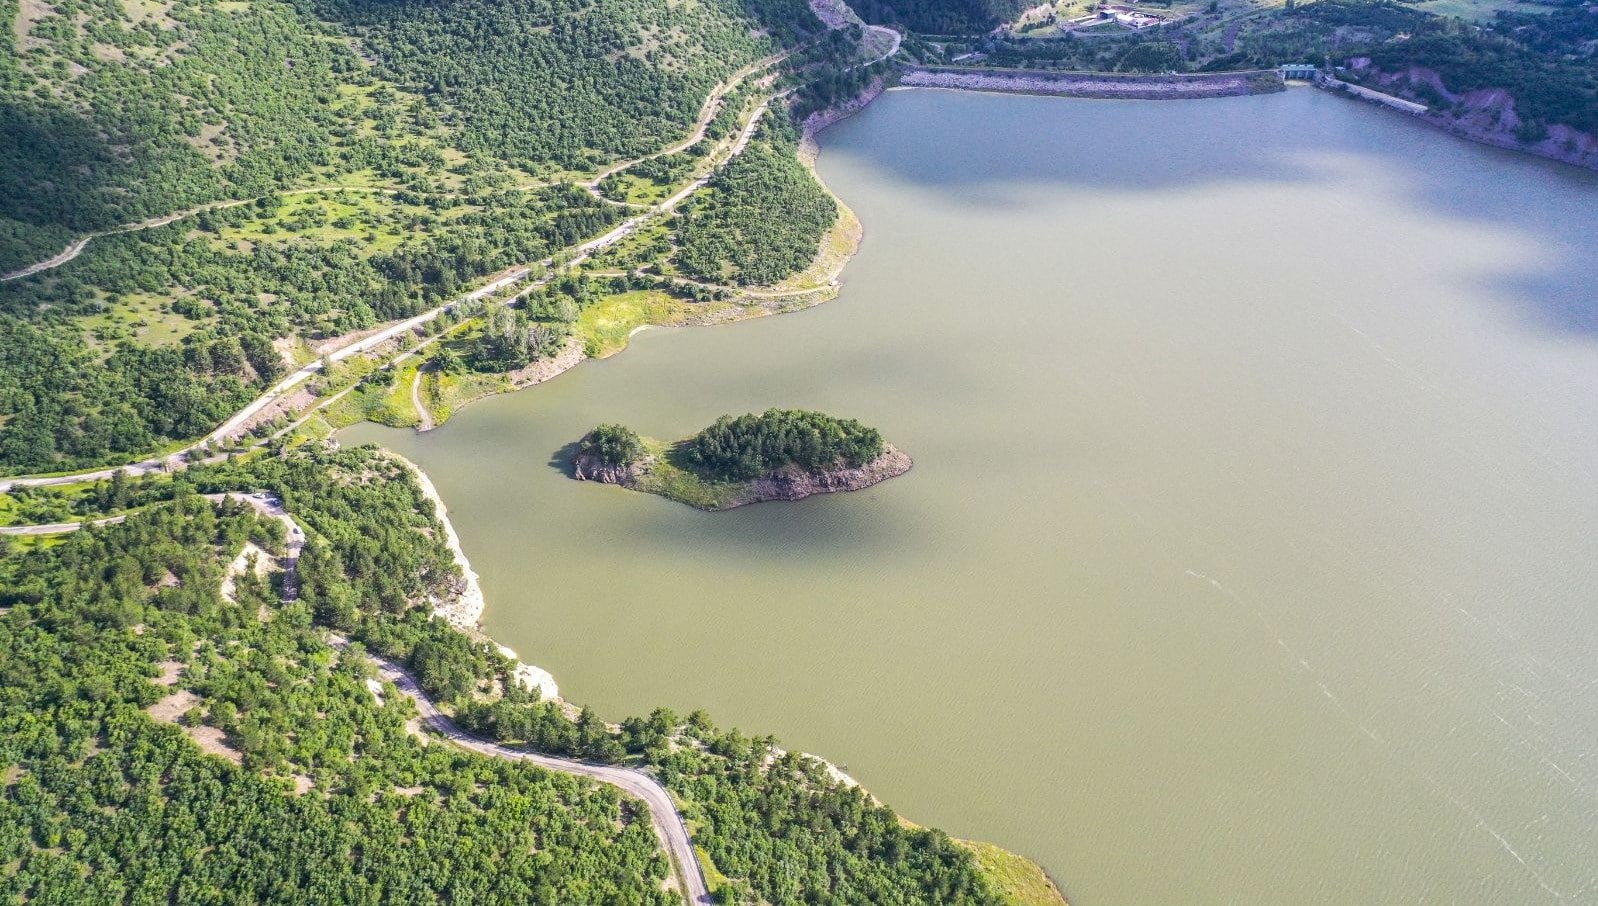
x=561 y=459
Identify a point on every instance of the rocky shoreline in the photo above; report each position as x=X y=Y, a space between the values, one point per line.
x=791 y=483
x=1486 y=115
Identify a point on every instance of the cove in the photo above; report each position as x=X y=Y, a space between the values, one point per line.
x=1249 y=551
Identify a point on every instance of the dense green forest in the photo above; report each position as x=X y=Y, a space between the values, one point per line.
x=748 y=446
x=155 y=107
x=761 y=219
x=165 y=105
x=120 y=655
x=572 y=83
x=332 y=800
x=1549 y=62
x=941 y=17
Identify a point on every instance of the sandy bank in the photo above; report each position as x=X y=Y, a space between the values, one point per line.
x=1095 y=84
x=464 y=610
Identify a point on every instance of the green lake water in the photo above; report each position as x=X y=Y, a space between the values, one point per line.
x=1249 y=555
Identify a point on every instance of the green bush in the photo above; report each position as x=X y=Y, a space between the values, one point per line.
x=614 y=445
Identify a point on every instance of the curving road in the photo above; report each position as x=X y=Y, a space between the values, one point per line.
x=667 y=822
x=707 y=112
x=663 y=815
x=72 y=251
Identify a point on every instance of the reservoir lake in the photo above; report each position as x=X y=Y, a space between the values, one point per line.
x=1251 y=550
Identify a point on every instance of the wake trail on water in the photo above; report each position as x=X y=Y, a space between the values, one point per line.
x=1392 y=752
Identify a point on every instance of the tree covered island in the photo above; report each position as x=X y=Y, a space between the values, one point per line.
x=780 y=454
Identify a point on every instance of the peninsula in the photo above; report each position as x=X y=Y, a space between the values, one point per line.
x=780 y=454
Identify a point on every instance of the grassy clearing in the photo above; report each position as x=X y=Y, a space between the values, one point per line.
x=373 y=220
x=146 y=319
x=311 y=430
x=714 y=879
x=374 y=401
x=456 y=390
x=371 y=398
x=605 y=325
x=650 y=245
x=1020 y=880
x=637 y=190
x=25 y=543
x=49 y=504
x=669 y=478
x=1477 y=10
x=398 y=399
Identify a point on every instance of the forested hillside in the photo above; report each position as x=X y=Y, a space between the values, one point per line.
x=941 y=17
x=574 y=83
x=114 y=111
x=342 y=164
x=110 y=113
x=760 y=219
x=125 y=658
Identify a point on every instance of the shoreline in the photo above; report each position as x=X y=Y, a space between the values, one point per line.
x=1486 y=116
x=472 y=603
x=465 y=611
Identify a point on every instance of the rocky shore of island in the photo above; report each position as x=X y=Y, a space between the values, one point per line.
x=787 y=483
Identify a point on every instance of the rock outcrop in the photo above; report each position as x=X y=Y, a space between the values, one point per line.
x=588 y=467
x=1487 y=115
x=796 y=484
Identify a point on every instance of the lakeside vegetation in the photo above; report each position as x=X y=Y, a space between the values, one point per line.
x=122 y=658
x=761 y=219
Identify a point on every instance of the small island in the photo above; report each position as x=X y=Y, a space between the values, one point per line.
x=780 y=454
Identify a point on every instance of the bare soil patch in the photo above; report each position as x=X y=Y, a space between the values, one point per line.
x=169 y=709
x=170 y=671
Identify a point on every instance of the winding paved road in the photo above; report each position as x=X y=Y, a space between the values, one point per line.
x=707 y=112
x=580 y=253
x=663 y=815
x=667 y=822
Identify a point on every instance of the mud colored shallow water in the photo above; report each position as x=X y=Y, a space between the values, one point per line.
x=1249 y=556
